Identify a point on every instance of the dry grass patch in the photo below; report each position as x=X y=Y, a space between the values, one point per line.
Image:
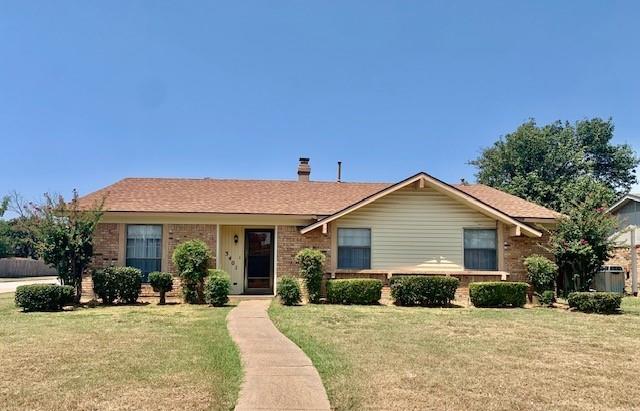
x=117 y=358
x=381 y=357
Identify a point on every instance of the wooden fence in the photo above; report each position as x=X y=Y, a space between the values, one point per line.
x=24 y=267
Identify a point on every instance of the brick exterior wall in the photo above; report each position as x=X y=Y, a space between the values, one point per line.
x=106 y=248
x=290 y=241
x=178 y=233
x=622 y=256
x=519 y=248
x=105 y=253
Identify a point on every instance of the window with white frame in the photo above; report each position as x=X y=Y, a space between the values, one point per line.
x=354 y=248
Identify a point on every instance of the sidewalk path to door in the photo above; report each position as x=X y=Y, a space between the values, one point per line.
x=278 y=375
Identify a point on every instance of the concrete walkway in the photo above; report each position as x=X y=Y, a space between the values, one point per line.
x=278 y=375
x=9 y=285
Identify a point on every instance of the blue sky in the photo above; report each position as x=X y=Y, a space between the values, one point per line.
x=91 y=92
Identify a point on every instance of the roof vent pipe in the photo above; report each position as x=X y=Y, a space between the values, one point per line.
x=339 y=171
x=304 y=170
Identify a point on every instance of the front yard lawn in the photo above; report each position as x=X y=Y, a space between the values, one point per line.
x=114 y=358
x=387 y=357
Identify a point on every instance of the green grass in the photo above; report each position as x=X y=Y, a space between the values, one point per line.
x=386 y=357
x=144 y=357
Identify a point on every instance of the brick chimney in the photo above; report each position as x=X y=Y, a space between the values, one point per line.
x=304 y=170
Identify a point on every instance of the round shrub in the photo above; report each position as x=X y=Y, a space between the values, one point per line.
x=130 y=283
x=216 y=288
x=44 y=297
x=498 y=294
x=191 y=259
x=354 y=291
x=117 y=283
x=311 y=262
x=289 y=291
x=541 y=272
x=105 y=284
x=423 y=290
x=547 y=298
x=595 y=302
x=161 y=283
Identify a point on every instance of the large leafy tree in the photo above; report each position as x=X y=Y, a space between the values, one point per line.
x=66 y=237
x=559 y=164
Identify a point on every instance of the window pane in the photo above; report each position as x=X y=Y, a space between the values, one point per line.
x=479 y=238
x=354 y=257
x=355 y=237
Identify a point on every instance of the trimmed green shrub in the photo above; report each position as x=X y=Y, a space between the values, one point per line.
x=311 y=262
x=161 y=283
x=130 y=283
x=547 y=298
x=216 y=288
x=595 y=302
x=44 y=297
x=105 y=284
x=289 y=291
x=354 y=291
x=498 y=294
x=429 y=291
x=192 y=261
x=541 y=272
x=117 y=283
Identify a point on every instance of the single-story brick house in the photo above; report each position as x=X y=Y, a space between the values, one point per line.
x=255 y=227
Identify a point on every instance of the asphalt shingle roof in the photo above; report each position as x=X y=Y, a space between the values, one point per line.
x=270 y=197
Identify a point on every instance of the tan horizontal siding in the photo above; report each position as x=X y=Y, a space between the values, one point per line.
x=416 y=229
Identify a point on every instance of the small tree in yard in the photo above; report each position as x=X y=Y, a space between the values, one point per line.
x=192 y=261
x=161 y=283
x=311 y=262
x=66 y=237
x=581 y=244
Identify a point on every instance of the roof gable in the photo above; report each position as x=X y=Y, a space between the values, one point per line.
x=624 y=201
x=423 y=179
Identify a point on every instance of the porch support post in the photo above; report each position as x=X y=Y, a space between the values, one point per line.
x=218 y=246
x=275 y=260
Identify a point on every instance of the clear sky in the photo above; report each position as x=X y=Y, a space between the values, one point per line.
x=94 y=91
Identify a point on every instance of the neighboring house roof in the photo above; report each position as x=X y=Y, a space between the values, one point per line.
x=424 y=179
x=623 y=201
x=507 y=203
x=314 y=198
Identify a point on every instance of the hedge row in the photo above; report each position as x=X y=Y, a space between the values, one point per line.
x=354 y=291
x=498 y=294
x=428 y=291
x=595 y=302
x=43 y=297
